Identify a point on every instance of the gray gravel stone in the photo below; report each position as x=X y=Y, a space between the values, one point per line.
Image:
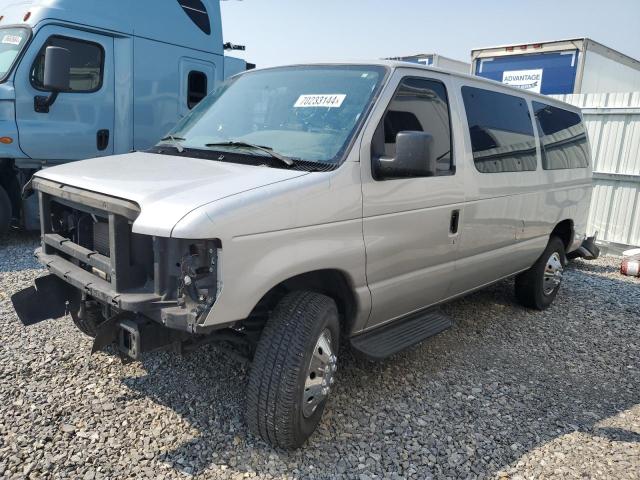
x=506 y=393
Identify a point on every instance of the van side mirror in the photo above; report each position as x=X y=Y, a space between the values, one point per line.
x=415 y=157
x=57 y=76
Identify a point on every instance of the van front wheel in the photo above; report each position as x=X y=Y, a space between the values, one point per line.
x=293 y=369
x=537 y=287
x=88 y=319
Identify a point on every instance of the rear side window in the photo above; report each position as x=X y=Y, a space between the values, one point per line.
x=563 y=138
x=419 y=105
x=501 y=131
x=87 y=64
x=197 y=88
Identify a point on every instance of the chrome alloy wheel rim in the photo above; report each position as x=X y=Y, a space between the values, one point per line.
x=320 y=374
x=553 y=272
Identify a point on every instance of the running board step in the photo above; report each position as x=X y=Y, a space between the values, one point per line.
x=400 y=334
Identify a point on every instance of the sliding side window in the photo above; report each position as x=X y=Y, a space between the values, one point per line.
x=501 y=131
x=563 y=138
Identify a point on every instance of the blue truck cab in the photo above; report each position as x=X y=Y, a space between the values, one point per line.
x=134 y=68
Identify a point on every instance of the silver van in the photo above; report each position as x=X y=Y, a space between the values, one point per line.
x=298 y=206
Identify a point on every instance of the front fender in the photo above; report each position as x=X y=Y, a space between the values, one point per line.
x=8 y=128
x=254 y=264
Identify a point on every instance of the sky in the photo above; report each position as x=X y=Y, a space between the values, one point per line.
x=278 y=32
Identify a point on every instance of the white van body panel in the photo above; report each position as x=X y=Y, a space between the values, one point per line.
x=321 y=211
x=508 y=216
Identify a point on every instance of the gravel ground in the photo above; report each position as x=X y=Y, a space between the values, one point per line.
x=506 y=393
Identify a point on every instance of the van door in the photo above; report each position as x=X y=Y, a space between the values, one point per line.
x=503 y=181
x=410 y=224
x=80 y=123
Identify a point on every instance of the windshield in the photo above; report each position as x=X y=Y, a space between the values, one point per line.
x=303 y=113
x=12 y=40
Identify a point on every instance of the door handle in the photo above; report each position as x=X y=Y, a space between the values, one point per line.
x=455 y=222
x=102 y=139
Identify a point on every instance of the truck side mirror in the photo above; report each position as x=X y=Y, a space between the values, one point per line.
x=57 y=76
x=415 y=157
x=57 y=69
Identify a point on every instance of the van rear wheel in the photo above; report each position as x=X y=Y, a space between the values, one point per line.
x=537 y=287
x=293 y=369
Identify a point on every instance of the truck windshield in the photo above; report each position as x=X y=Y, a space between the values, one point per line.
x=12 y=41
x=305 y=113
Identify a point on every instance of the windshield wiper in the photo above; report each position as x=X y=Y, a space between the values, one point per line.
x=175 y=141
x=268 y=150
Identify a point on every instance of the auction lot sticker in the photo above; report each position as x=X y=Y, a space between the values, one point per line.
x=12 y=39
x=322 y=101
x=525 y=79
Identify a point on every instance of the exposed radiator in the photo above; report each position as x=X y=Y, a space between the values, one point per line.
x=101 y=238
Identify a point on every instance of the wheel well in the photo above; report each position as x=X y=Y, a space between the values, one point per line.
x=332 y=283
x=9 y=182
x=564 y=231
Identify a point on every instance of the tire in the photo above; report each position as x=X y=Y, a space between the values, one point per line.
x=88 y=320
x=5 y=211
x=280 y=409
x=537 y=287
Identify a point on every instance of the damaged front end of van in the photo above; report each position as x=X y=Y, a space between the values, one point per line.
x=139 y=291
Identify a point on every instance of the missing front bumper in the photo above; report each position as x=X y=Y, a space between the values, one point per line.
x=59 y=293
x=96 y=287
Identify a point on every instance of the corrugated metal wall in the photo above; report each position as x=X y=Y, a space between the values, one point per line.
x=613 y=122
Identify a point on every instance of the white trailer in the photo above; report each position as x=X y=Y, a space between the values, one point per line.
x=436 y=60
x=579 y=65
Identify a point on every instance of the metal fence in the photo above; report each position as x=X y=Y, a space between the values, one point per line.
x=613 y=122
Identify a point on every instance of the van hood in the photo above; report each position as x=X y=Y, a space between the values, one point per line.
x=165 y=187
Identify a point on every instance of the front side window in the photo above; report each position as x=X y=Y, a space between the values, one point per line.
x=304 y=113
x=87 y=64
x=12 y=41
x=501 y=131
x=419 y=105
x=563 y=138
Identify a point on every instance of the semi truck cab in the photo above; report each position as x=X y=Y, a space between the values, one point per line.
x=132 y=70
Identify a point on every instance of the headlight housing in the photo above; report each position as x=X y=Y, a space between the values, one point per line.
x=188 y=272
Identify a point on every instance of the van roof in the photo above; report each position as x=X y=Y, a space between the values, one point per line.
x=165 y=21
x=398 y=64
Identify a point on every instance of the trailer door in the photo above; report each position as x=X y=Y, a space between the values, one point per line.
x=80 y=123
